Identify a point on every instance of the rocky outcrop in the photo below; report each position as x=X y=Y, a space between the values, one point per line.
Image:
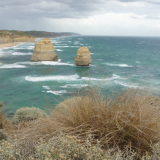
x=44 y=51
x=83 y=57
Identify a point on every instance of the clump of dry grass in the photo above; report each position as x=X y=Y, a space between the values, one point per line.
x=127 y=119
x=4 y=121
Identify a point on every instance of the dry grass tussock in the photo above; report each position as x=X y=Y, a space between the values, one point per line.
x=127 y=119
x=4 y=122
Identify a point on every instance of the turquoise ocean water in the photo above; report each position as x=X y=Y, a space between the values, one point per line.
x=116 y=61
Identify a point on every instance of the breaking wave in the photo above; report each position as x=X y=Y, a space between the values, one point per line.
x=117 y=65
x=52 y=78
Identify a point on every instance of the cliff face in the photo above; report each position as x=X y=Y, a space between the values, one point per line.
x=5 y=40
x=83 y=57
x=50 y=34
x=15 y=36
x=44 y=51
x=24 y=39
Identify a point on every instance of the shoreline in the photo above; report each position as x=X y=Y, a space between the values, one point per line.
x=3 y=45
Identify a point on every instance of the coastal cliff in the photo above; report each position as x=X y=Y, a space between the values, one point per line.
x=83 y=57
x=15 y=36
x=44 y=51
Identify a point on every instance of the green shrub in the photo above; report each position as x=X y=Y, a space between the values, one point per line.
x=28 y=114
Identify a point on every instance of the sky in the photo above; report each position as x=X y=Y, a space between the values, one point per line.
x=86 y=17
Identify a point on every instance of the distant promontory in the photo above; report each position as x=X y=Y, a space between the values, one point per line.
x=10 y=36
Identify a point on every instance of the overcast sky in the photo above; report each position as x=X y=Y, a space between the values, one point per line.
x=87 y=17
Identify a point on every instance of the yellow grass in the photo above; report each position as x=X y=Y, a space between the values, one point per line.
x=127 y=119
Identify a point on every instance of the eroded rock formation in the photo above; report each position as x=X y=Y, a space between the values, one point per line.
x=83 y=57
x=44 y=51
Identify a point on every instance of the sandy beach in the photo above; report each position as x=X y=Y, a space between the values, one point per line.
x=9 y=44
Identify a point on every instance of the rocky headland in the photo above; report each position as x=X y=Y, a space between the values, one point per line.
x=83 y=57
x=44 y=51
x=15 y=36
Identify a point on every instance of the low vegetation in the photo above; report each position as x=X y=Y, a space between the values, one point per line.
x=124 y=125
x=27 y=114
x=13 y=34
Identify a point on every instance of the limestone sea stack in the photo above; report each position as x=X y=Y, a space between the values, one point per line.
x=44 y=51
x=83 y=57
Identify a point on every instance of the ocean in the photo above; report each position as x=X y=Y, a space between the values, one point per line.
x=123 y=62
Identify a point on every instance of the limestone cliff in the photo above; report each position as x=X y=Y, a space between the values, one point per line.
x=24 y=39
x=15 y=36
x=5 y=40
x=44 y=51
x=83 y=57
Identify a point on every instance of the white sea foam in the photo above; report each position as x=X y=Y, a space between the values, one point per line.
x=21 y=53
x=56 y=63
x=61 y=46
x=52 y=78
x=53 y=63
x=64 y=46
x=29 y=63
x=127 y=85
x=57 y=92
x=74 y=85
x=1 y=53
x=117 y=65
x=59 y=50
x=92 y=53
x=137 y=62
x=12 y=66
x=46 y=87
x=114 y=77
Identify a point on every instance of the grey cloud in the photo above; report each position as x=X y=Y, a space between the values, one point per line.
x=33 y=13
x=50 y=8
x=148 y=1
x=32 y=9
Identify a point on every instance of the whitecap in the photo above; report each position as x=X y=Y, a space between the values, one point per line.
x=21 y=53
x=30 y=63
x=114 y=77
x=64 y=46
x=56 y=63
x=92 y=53
x=127 y=85
x=59 y=50
x=12 y=66
x=46 y=87
x=1 y=53
x=57 y=92
x=61 y=46
x=53 y=78
x=117 y=65
x=137 y=62
x=74 y=85
x=53 y=63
